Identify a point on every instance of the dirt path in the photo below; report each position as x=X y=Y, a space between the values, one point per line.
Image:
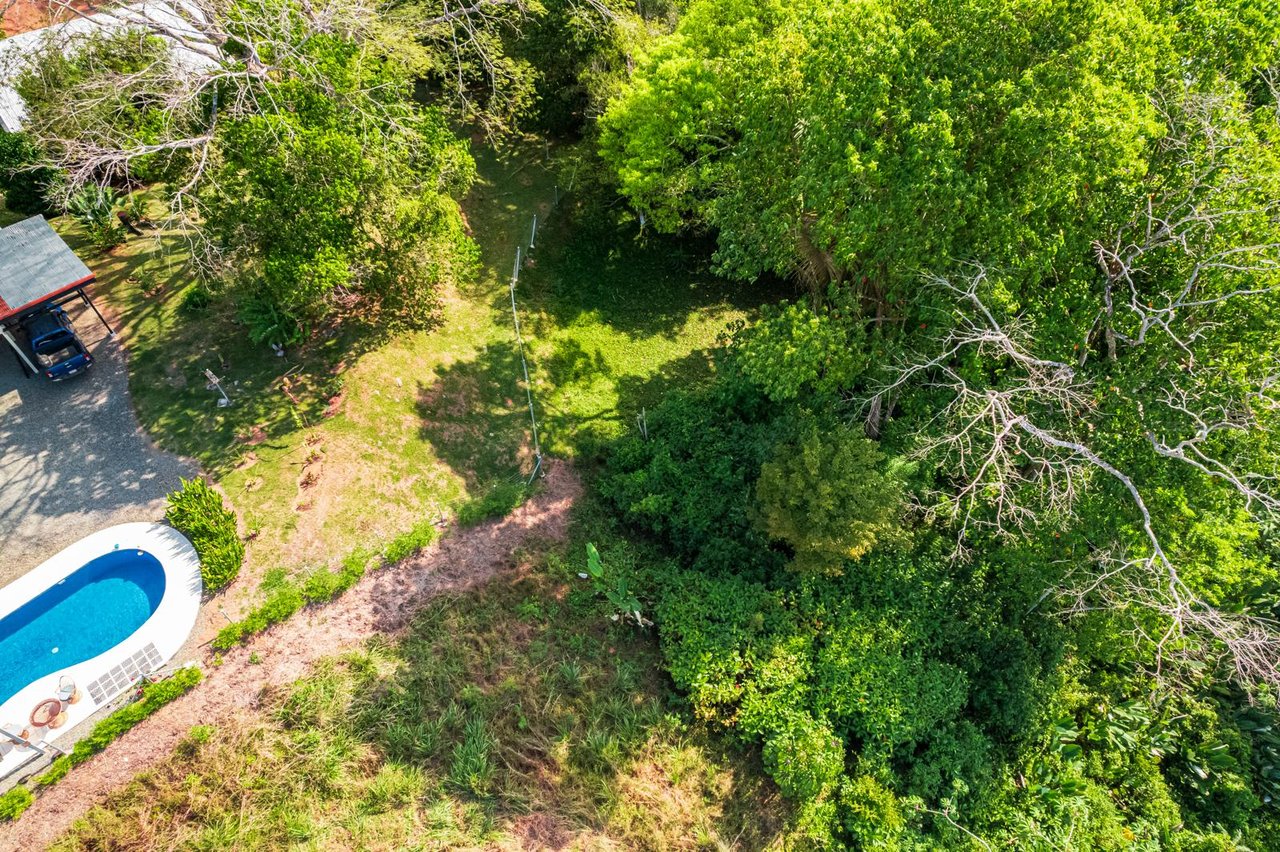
x=383 y=602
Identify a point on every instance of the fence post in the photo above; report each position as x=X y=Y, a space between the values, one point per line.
x=524 y=364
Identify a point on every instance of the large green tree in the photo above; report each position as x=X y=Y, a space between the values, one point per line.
x=1043 y=245
x=863 y=141
x=344 y=191
x=289 y=144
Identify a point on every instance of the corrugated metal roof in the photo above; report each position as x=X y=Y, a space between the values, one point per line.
x=191 y=49
x=34 y=264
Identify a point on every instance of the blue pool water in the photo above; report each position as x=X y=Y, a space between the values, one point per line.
x=91 y=611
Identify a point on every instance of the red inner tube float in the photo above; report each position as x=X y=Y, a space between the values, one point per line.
x=45 y=712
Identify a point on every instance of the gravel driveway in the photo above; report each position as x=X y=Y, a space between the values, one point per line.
x=72 y=457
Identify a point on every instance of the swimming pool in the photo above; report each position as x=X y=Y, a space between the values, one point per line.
x=109 y=609
x=106 y=601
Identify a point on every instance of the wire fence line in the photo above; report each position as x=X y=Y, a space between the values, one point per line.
x=520 y=344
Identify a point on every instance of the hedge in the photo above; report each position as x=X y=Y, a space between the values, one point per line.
x=197 y=511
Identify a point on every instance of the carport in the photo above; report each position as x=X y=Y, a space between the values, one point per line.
x=38 y=270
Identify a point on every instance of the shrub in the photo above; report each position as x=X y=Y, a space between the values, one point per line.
x=825 y=495
x=14 y=802
x=871 y=813
x=408 y=543
x=94 y=208
x=690 y=480
x=500 y=500
x=268 y=323
x=195 y=301
x=283 y=603
x=197 y=511
x=804 y=756
x=794 y=349
x=23 y=182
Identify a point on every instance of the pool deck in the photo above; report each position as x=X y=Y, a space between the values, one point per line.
x=104 y=677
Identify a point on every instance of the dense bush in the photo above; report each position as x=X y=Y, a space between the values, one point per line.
x=825 y=493
x=197 y=511
x=909 y=685
x=22 y=181
x=689 y=482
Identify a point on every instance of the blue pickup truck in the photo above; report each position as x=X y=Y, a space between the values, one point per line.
x=51 y=340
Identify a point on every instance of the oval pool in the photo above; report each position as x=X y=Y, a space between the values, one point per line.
x=91 y=611
x=116 y=605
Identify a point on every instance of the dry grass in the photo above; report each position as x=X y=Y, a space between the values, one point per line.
x=516 y=717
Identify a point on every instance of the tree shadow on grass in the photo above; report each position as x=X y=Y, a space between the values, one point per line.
x=476 y=415
x=143 y=285
x=642 y=286
x=585 y=433
x=476 y=418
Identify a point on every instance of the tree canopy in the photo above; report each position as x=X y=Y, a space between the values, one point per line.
x=1040 y=243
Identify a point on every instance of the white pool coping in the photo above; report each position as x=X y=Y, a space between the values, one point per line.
x=167 y=628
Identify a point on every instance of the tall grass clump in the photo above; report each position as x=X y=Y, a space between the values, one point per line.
x=408 y=543
x=197 y=511
x=14 y=802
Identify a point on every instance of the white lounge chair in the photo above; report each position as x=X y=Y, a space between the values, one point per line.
x=68 y=692
x=12 y=730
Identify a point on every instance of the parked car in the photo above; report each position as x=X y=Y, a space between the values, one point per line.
x=53 y=344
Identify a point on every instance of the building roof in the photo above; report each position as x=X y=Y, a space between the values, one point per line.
x=174 y=21
x=36 y=265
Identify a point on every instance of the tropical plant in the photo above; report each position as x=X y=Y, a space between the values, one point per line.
x=615 y=589
x=197 y=511
x=94 y=207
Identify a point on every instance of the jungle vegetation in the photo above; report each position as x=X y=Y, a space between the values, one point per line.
x=973 y=538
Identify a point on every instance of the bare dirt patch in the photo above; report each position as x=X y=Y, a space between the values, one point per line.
x=383 y=602
x=253 y=437
x=21 y=16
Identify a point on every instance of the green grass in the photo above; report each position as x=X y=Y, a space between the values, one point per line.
x=356 y=437
x=516 y=714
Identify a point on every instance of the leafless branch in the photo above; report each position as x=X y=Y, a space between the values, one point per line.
x=1021 y=453
x=1187 y=220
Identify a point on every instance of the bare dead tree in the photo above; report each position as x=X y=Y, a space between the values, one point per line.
x=1022 y=454
x=1199 y=256
x=221 y=54
x=991 y=440
x=219 y=62
x=1188 y=219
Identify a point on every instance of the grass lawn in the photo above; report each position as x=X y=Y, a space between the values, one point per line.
x=358 y=435
x=516 y=717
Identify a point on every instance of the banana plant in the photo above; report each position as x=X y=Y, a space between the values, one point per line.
x=614 y=588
